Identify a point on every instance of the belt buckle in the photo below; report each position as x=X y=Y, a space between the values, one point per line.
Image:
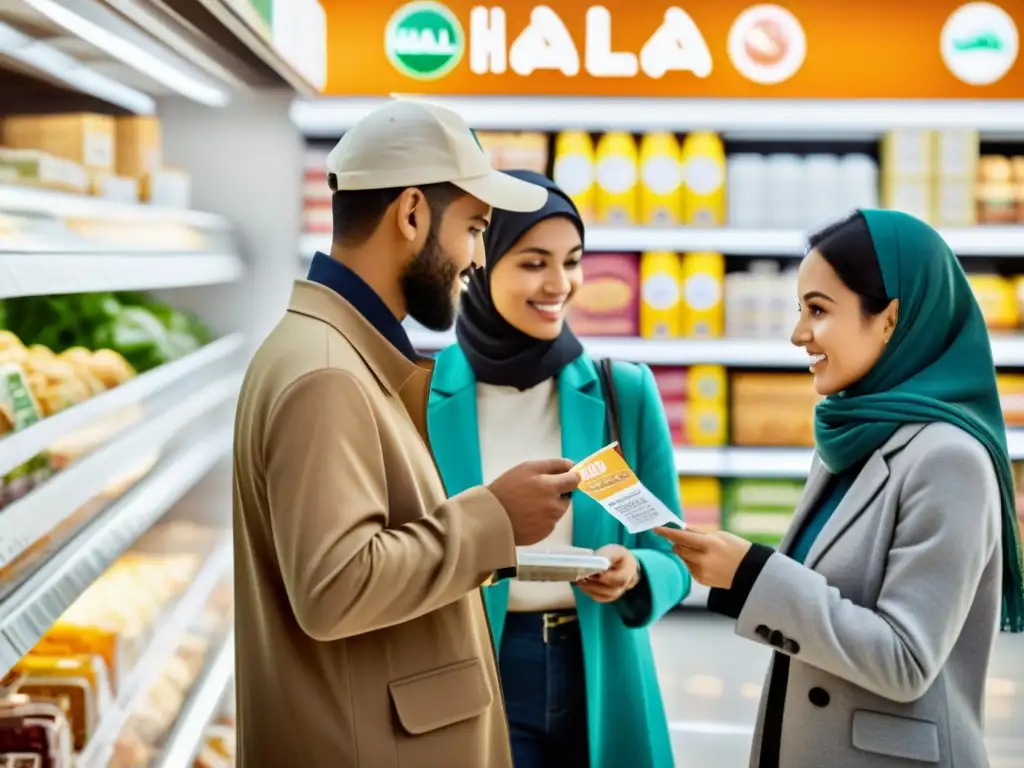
x=552 y=620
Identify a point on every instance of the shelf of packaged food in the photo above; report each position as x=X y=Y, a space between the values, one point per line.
x=1007 y=350
x=329 y=118
x=167 y=635
x=37 y=274
x=969 y=242
x=49 y=203
x=735 y=461
x=31 y=608
x=199 y=708
x=732 y=461
x=18 y=447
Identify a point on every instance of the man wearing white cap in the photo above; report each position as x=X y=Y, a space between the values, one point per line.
x=360 y=629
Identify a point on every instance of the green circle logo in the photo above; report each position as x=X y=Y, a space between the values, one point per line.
x=424 y=40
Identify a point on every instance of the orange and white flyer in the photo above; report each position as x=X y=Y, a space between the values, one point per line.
x=607 y=479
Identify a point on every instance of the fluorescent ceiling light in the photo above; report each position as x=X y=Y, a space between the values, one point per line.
x=48 y=60
x=331 y=116
x=131 y=54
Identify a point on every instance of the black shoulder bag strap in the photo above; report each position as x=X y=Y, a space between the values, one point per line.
x=611 y=401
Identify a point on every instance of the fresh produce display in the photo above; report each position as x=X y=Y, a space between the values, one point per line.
x=59 y=351
x=146 y=332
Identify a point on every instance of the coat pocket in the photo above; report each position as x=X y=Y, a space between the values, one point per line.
x=895 y=736
x=440 y=697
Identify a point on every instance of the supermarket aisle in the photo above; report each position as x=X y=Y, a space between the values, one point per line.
x=711 y=680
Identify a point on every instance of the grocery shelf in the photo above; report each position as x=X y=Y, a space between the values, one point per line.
x=18 y=447
x=973 y=241
x=34 y=274
x=32 y=517
x=967 y=242
x=65 y=205
x=1007 y=350
x=167 y=636
x=733 y=461
x=743 y=462
x=48 y=63
x=329 y=118
x=199 y=708
x=28 y=612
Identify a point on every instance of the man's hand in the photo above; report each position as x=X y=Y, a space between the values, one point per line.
x=713 y=558
x=622 y=576
x=535 y=496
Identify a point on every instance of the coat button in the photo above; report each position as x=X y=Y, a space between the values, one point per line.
x=776 y=639
x=763 y=632
x=819 y=697
x=792 y=647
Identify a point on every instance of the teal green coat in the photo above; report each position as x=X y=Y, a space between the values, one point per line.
x=625 y=714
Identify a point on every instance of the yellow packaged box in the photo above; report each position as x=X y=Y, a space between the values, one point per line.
x=1011 y=398
x=574 y=170
x=703 y=180
x=997 y=297
x=703 y=287
x=660 y=177
x=139 y=142
x=660 y=283
x=86 y=139
x=707 y=384
x=615 y=196
x=702 y=502
x=705 y=424
x=77 y=683
x=773 y=409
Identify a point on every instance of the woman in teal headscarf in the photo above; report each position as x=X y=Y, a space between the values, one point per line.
x=903 y=558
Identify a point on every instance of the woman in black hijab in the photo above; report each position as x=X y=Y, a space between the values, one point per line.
x=518 y=386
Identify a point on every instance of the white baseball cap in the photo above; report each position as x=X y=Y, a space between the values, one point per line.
x=408 y=143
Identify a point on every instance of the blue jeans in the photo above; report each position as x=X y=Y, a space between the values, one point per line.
x=545 y=690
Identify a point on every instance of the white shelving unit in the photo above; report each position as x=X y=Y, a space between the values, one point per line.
x=166 y=636
x=221 y=81
x=328 y=118
x=987 y=241
x=1007 y=350
x=201 y=706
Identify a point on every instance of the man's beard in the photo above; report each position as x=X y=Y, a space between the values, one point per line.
x=428 y=285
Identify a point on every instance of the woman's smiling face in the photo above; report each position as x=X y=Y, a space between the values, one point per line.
x=532 y=284
x=842 y=341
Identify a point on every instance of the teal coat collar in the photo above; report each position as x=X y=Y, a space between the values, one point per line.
x=454 y=431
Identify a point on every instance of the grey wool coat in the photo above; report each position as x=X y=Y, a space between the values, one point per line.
x=883 y=637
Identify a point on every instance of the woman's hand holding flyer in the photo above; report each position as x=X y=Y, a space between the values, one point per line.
x=607 y=479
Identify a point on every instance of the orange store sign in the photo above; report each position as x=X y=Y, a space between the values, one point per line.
x=727 y=48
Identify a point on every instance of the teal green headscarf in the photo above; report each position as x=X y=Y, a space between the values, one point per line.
x=937 y=367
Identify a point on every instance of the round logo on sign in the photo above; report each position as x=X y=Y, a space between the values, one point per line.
x=424 y=40
x=767 y=44
x=979 y=43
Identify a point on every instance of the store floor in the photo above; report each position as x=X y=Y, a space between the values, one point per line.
x=711 y=680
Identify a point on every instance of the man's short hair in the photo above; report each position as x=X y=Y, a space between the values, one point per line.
x=358 y=212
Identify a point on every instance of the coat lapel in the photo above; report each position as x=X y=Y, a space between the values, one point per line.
x=816 y=481
x=452 y=422
x=869 y=482
x=582 y=414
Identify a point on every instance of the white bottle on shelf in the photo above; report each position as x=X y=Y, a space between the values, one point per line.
x=746 y=190
x=823 y=183
x=858 y=183
x=786 y=203
x=740 y=305
x=765 y=279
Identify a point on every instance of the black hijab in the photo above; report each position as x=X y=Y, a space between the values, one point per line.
x=498 y=352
